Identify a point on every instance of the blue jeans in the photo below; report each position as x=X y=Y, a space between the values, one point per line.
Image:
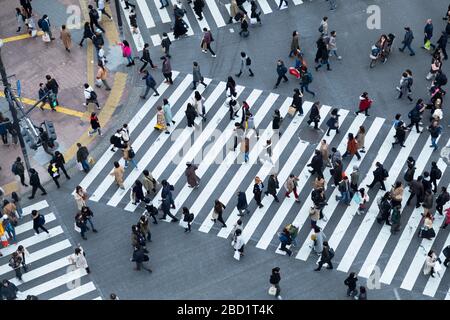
x=130 y=59
x=333 y=51
x=345 y=197
x=246 y=156
x=164 y=3
x=332 y=4
x=304 y=86
x=11 y=232
x=409 y=48
x=19 y=210
x=90 y=222
x=132 y=161
x=85 y=165
x=433 y=143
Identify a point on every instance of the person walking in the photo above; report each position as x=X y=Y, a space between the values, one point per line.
x=333 y=121
x=165 y=44
x=306 y=79
x=331 y=45
x=314 y=115
x=197 y=76
x=360 y=139
x=95 y=125
x=35 y=183
x=407 y=40
x=258 y=188
x=322 y=56
x=82 y=157
x=167 y=112
x=91 y=96
x=345 y=189
x=379 y=175
x=255 y=12
x=430 y=263
x=435 y=174
x=145 y=58
x=18 y=169
x=38 y=222
x=149 y=182
x=15 y=262
x=16 y=201
x=435 y=131
x=442 y=44
x=427 y=202
x=404 y=88
x=128 y=155
x=428 y=34
x=217 y=212
x=446 y=222
x=88 y=215
x=297 y=101
x=199 y=104
x=137 y=193
x=80 y=197
x=281 y=3
x=295 y=45
x=102 y=76
x=144 y=227
x=66 y=38
x=352 y=147
x=325 y=257
x=150 y=83
x=396 y=194
x=101 y=8
x=242 y=203
x=187 y=219
x=281 y=71
x=166 y=70
x=246 y=62
x=59 y=161
x=231 y=87
x=161 y=120
x=118 y=172
x=400 y=135
x=198 y=8
x=316 y=164
x=272 y=186
x=324 y=152
x=139 y=257
x=192 y=180
x=417 y=190
x=53 y=171
x=44 y=24
x=207 y=38
x=93 y=19
x=165 y=207
x=291 y=186
x=442 y=199
x=244 y=26
x=274 y=281
x=285 y=240
x=350 y=282
x=47 y=143
x=191 y=114
x=79 y=260
x=415 y=115
x=364 y=104
x=385 y=206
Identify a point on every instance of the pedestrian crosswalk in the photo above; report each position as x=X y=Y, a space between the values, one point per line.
x=153 y=20
x=362 y=246
x=50 y=275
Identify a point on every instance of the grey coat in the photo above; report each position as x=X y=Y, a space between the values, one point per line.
x=196 y=74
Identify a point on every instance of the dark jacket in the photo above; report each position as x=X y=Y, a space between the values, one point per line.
x=18 y=168
x=34 y=179
x=8 y=292
x=316 y=162
x=95 y=124
x=98 y=40
x=87 y=32
x=82 y=154
x=276 y=123
x=46 y=25
x=426 y=184
x=350 y=282
x=93 y=15
x=408 y=37
x=59 y=160
x=139 y=255
x=218 y=207
x=417 y=188
x=272 y=185
x=322 y=51
x=145 y=55
x=442 y=42
x=190 y=113
x=297 y=101
x=165 y=43
x=442 y=198
x=275 y=278
x=52 y=85
x=137 y=190
x=428 y=30
x=242 y=201
x=257 y=189
x=281 y=69
x=315 y=113
x=434 y=172
x=428 y=200
x=149 y=80
x=378 y=173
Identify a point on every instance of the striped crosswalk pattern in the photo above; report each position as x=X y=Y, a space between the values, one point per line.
x=154 y=20
x=361 y=245
x=50 y=275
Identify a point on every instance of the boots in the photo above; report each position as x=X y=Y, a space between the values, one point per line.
x=238 y=74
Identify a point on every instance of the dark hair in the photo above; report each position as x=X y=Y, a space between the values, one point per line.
x=116 y=164
x=197 y=95
x=145 y=172
x=205 y=29
x=63 y=26
x=185 y=210
x=77 y=251
x=195 y=63
x=146 y=45
x=125 y=43
x=15 y=196
x=165 y=101
x=294 y=33
x=350 y=136
x=34 y=212
x=238 y=232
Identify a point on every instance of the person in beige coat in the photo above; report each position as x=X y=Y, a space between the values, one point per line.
x=319 y=183
x=234 y=10
x=161 y=124
x=314 y=215
x=360 y=139
x=397 y=194
x=102 y=76
x=430 y=263
x=324 y=151
x=149 y=182
x=291 y=186
x=118 y=175
x=80 y=197
x=66 y=38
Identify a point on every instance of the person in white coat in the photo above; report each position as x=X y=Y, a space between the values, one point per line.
x=318 y=238
x=79 y=259
x=238 y=243
x=199 y=104
x=430 y=263
x=80 y=197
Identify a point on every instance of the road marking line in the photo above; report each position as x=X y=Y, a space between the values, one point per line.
x=145 y=11
x=77 y=292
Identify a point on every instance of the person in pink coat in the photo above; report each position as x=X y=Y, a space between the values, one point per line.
x=126 y=52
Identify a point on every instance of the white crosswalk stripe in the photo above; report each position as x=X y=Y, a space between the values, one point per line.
x=47 y=259
x=166 y=158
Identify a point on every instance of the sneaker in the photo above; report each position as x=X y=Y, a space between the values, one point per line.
x=213 y=55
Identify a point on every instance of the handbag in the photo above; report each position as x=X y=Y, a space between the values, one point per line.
x=292 y=110
x=427 y=44
x=183 y=224
x=46 y=37
x=77 y=229
x=237 y=255
x=79 y=166
x=158 y=127
x=272 y=291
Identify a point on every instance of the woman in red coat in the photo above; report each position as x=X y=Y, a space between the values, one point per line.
x=364 y=104
x=352 y=147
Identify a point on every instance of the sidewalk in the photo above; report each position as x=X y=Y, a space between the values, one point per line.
x=31 y=59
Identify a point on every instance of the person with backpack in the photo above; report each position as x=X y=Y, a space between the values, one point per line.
x=35 y=183
x=149 y=182
x=325 y=257
x=82 y=157
x=350 y=282
x=93 y=18
x=274 y=281
x=285 y=240
x=166 y=192
x=306 y=79
x=187 y=218
x=137 y=193
x=246 y=62
x=38 y=222
x=333 y=121
x=379 y=175
x=435 y=174
x=91 y=96
x=129 y=155
x=442 y=199
x=44 y=24
x=207 y=39
x=281 y=71
x=88 y=215
x=272 y=186
x=345 y=190
x=150 y=83
x=404 y=88
x=435 y=131
x=18 y=169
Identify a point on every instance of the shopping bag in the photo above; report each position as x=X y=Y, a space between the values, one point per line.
x=294 y=72
x=91 y=160
x=427 y=44
x=46 y=37
x=158 y=127
x=253 y=21
x=237 y=255
x=272 y=291
x=79 y=166
x=357 y=198
x=77 y=229
x=437 y=266
x=4 y=241
x=292 y=110
x=183 y=224
x=33 y=33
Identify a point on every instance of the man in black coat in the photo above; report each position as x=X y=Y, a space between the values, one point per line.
x=417 y=190
x=35 y=183
x=93 y=17
x=442 y=199
x=316 y=164
x=8 y=290
x=272 y=186
x=145 y=58
x=379 y=175
x=322 y=54
x=442 y=44
x=18 y=169
x=314 y=116
x=140 y=257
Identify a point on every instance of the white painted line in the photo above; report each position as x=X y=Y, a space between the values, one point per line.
x=165 y=18
x=132 y=125
x=433 y=283
x=39 y=272
x=214 y=151
x=264 y=5
x=385 y=233
x=349 y=213
x=181 y=139
x=218 y=19
x=372 y=133
x=98 y=298
x=42 y=236
x=224 y=166
x=138 y=143
x=156 y=39
x=35 y=206
x=286 y=204
x=137 y=37
x=416 y=266
x=409 y=231
x=297 y=2
x=288 y=166
x=447 y=296
x=29 y=225
x=262 y=173
x=75 y=293
x=145 y=11
x=35 y=256
x=65 y=279
x=303 y=215
x=371 y=214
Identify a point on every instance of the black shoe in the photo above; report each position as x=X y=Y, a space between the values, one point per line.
x=43 y=193
x=30 y=198
x=329 y=267
x=25 y=185
x=174 y=220
x=252 y=74
x=317 y=269
x=84 y=238
x=94 y=230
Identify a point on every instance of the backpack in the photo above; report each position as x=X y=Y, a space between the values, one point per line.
x=385 y=173
x=309 y=77
x=248 y=61
x=131 y=153
x=321 y=28
x=331 y=252
x=93 y=95
x=94 y=14
x=39 y=23
x=191 y=217
x=438 y=173
x=41 y=220
x=14 y=168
